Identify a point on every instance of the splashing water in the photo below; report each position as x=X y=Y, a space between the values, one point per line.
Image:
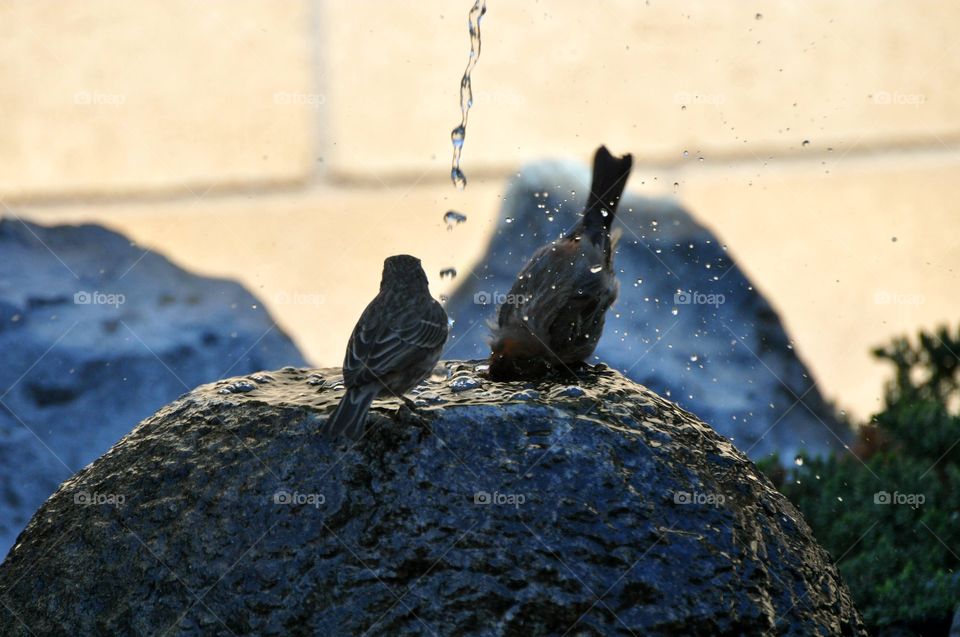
x=466 y=93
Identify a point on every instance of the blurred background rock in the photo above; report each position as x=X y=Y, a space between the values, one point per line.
x=294 y=145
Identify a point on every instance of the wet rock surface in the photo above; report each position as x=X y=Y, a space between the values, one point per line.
x=97 y=334
x=688 y=323
x=585 y=504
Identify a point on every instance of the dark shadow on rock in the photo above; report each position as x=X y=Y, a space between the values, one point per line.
x=688 y=322
x=97 y=334
x=588 y=504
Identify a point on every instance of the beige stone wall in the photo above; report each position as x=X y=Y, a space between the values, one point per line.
x=556 y=76
x=238 y=137
x=105 y=97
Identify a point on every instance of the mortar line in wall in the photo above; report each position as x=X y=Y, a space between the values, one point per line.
x=862 y=156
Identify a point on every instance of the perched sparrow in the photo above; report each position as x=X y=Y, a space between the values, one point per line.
x=394 y=346
x=556 y=308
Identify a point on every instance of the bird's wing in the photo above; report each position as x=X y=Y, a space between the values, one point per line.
x=533 y=288
x=429 y=331
x=383 y=344
x=581 y=318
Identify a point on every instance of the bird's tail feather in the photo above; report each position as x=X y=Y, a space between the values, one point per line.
x=350 y=415
x=609 y=179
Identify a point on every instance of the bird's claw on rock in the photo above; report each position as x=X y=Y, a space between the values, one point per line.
x=408 y=411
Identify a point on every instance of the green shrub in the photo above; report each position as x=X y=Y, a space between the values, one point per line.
x=889 y=511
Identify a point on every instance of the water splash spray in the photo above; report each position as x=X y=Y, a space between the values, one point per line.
x=466 y=93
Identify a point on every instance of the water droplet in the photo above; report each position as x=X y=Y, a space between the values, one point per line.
x=595 y=268
x=452 y=218
x=526 y=394
x=894 y=239
x=759 y=16
x=508 y=220
x=237 y=387
x=806 y=142
x=464 y=383
x=798 y=461
x=693 y=358
x=674 y=311
x=458 y=178
x=457 y=135
x=448 y=272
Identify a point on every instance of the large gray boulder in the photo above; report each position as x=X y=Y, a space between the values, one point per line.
x=688 y=323
x=97 y=334
x=578 y=506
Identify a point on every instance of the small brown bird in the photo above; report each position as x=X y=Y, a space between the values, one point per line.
x=394 y=346
x=556 y=308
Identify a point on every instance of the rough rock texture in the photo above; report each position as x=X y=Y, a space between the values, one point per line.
x=97 y=334
x=589 y=505
x=719 y=351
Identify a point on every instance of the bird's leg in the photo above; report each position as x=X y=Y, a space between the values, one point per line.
x=409 y=405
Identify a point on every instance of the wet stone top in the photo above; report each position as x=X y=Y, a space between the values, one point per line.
x=593 y=391
x=583 y=503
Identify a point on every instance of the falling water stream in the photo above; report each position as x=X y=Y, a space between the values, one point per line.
x=466 y=93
